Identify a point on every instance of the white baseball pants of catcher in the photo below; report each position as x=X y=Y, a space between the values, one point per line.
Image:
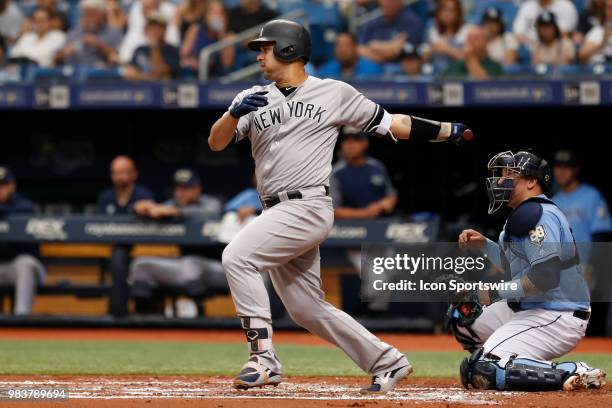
x=538 y=334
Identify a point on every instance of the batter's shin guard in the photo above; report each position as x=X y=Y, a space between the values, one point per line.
x=258 y=334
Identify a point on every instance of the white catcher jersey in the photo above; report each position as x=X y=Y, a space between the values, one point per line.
x=293 y=137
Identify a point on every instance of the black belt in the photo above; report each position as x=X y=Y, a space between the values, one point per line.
x=582 y=314
x=272 y=200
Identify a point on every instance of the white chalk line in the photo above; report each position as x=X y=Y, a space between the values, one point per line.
x=216 y=388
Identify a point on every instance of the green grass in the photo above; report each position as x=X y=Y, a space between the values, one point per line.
x=136 y=357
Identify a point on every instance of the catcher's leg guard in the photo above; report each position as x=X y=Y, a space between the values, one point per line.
x=486 y=372
x=478 y=372
x=523 y=374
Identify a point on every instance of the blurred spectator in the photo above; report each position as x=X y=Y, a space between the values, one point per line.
x=196 y=274
x=448 y=34
x=2 y=48
x=57 y=12
x=381 y=40
x=477 y=64
x=41 y=44
x=115 y=16
x=551 y=48
x=411 y=60
x=247 y=14
x=125 y=192
x=597 y=46
x=502 y=46
x=93 y=43
x=187 y=13
x=11 y=19
x=525 y=21
x=19 y=265
x=210 y=29
x=360 y=186
x=347 y=63
x=137 y=20
x=593 y=15
x=156 y=60
x=583 y=204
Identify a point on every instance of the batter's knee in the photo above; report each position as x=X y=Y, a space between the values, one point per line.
x=233 y=261
x=302 y=315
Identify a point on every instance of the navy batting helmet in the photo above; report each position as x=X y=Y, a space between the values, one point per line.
x=522 y=163
x=291 y=40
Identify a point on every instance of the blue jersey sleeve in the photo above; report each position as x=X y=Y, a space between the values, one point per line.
x=599 y=214
x=247 y=197
x=543 y=242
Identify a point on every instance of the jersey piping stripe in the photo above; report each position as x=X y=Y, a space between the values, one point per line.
x=523 y=331
x=375 y=120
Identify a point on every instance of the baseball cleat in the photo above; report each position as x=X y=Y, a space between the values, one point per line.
x=385 y=382
x=584 y=378
x=254 y=375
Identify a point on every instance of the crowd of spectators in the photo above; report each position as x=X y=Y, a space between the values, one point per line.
x=162 y=39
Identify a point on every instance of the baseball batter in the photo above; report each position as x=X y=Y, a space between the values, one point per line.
x=293 y=124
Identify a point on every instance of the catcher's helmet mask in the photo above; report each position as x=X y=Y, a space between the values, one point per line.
x=291 y=40
x=523 y=163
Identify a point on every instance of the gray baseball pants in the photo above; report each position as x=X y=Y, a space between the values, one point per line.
x=284 y=241
x=25 y=272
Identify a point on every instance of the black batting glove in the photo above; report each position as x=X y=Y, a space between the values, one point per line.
x=249 y=103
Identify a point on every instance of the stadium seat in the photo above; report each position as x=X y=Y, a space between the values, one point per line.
x=34 y=73
x=91 y=74
x=516 y=69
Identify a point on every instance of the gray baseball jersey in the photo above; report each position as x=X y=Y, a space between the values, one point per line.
x=292 y=141
x=293 y=137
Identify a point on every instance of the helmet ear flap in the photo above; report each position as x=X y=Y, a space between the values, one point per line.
x=544 y=176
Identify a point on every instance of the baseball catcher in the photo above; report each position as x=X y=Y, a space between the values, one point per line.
x=514 y=333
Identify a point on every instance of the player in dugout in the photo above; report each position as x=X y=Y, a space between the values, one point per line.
x=19 y=263
x=196 y=274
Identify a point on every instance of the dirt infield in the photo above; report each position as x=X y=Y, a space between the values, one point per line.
x=414 y=342
x=180 y=391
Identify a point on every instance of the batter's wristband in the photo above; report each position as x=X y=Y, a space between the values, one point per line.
x=424 y=129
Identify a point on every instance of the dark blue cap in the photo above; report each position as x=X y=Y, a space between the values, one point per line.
x=492 y=14
x=186 y=177
x=546 y=17
x=6 y=175
x=352 y=132
x=565 y=158
x=412 y=50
